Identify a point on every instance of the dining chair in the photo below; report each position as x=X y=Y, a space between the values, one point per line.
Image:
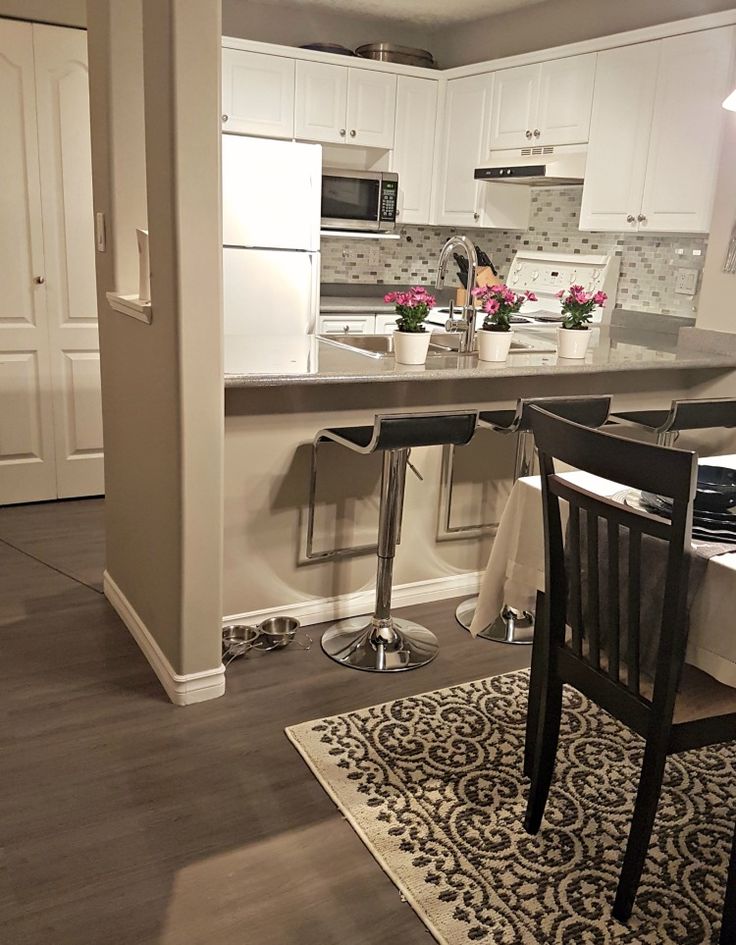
x=728 y=919
x=597 y=649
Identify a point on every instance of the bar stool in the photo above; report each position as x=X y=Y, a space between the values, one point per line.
x=382 y=643
x=682 y=415
x=512 y=626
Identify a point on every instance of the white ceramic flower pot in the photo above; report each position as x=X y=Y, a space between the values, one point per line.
x=494 y=345
x=572 y=342
x=411 y=347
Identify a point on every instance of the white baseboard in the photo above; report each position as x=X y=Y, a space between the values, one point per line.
x=184 y=689
x=320 y=609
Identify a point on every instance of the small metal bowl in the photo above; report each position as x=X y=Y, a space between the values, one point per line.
x=237 y=639
x=278 y=632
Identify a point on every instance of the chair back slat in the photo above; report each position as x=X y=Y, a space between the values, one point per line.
x=633 y=642
x=613 y=610
x=601 y=601
x=592 y=618
x=575 y=589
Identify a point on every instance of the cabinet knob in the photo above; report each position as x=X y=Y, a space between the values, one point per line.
x=39 y=280
x=537 y=132
x=342 y=132
x=631 y=218
x=528 y=133
x=346 y=329
x=641 y=218
x=352 y=132
x=476 y=215
x=225 y=118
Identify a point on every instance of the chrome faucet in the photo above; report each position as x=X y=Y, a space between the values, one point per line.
x=467 y=342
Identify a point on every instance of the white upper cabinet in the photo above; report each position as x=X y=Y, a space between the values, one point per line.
x=371 y=108
x=655 y=133
x=413 y=154
x=619 y=137
x=339 y=105
x=462 y=200
x=694 y=73
x=546 y=103
x=257 y=94
x=565 y=100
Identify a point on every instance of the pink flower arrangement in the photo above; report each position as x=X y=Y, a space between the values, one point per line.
x=412 y=307
x=499 y=303
x=578 y=305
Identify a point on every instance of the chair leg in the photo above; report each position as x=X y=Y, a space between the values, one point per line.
x=545 y=751
x=645 y=809
x=728 y=922
x=536 y=687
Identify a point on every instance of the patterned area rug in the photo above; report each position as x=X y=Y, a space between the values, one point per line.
x=433 y=786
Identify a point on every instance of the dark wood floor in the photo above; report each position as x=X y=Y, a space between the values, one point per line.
x=127 y=821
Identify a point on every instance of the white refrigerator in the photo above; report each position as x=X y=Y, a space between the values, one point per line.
x=271 y=203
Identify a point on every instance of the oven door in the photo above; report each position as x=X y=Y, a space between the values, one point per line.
x=351 y=200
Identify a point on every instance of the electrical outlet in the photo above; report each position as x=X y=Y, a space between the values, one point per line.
x=686 y=281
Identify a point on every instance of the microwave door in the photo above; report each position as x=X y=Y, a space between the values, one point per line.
x=350 y=202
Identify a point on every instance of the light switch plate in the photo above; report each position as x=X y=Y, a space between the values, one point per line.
x=686 y=281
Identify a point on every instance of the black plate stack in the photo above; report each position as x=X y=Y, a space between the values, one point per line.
x=714 y=509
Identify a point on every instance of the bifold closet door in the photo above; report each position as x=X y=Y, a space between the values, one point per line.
x=27 y=462
x=62 y=103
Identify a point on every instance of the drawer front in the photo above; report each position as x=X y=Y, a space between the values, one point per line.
x=347 y=324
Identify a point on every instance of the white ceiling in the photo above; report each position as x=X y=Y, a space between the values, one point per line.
x=424 y=12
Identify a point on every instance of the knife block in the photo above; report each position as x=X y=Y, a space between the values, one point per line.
x=483 y=277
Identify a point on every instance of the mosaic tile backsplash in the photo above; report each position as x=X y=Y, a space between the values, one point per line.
x=648 y=263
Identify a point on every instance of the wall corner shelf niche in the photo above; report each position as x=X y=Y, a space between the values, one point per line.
x=131 y=305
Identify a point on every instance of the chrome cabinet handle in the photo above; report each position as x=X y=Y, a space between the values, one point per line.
x=537 y=132
x=641 y=218
x=352 y=132
x=39 y=280
x=631 y=218
x=476 y=216
x=528 y=133
x=342 y=132
x=225 y=118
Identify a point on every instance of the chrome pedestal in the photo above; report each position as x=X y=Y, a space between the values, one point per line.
x=511 y=625
x=382 y=643
x=380 y=646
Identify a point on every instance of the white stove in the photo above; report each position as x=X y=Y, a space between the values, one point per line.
x=545 y=274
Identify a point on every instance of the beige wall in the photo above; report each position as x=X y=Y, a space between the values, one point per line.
x=717 y=306
x=154 y=79
x=63 y=12
x=555 y=23
x=297 y=23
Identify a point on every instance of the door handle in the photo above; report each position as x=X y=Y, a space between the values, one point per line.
x=39 y=280
x=225 y=118
x=528 y=133
x=342 y=132
x=537 y=132
x=642 y=218
x=352 y=132
x=631 y=218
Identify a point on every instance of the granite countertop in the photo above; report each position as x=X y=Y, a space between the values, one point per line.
x=269 y=361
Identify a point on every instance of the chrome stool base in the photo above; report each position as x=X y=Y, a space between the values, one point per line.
x=509 y=627
x=380 y=646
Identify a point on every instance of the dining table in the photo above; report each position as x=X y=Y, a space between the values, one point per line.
x=515 y=572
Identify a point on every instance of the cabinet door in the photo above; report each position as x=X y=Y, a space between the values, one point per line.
x=620 y=125
x=257 y=94
x=62 y=101
x=27 y=462
x=413 y=154
x=693 y=79
x=565 y=100
x=371 y=108
x=467 y=103
x=385 y=324
x=514 y=107
x=321 y=102
x=347 y=324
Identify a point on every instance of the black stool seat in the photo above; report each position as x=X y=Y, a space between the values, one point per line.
x=684 y=415
x=588 y=411
x=651 y=419
x=406 y=431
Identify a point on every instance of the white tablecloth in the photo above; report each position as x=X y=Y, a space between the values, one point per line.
x=516 y=571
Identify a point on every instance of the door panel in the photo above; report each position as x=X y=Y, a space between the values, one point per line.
x=514 y=107
x=371 y=108
x=257 y=93
x=66 y=193
x=623 y=103
x=565 y=100
x=321 y=102
x=413 y=154
x=27 y=467
x=693 y=80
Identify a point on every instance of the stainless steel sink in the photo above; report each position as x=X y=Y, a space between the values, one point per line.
x=372 y=346
x=441 y=343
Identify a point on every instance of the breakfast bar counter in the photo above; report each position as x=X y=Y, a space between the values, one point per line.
x=279 y=392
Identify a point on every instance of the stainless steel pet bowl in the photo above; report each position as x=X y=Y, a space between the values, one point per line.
x=278 y=632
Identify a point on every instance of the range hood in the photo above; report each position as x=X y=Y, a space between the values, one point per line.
x=541 y=166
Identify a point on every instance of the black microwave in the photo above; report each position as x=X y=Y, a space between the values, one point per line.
x=359 y=200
